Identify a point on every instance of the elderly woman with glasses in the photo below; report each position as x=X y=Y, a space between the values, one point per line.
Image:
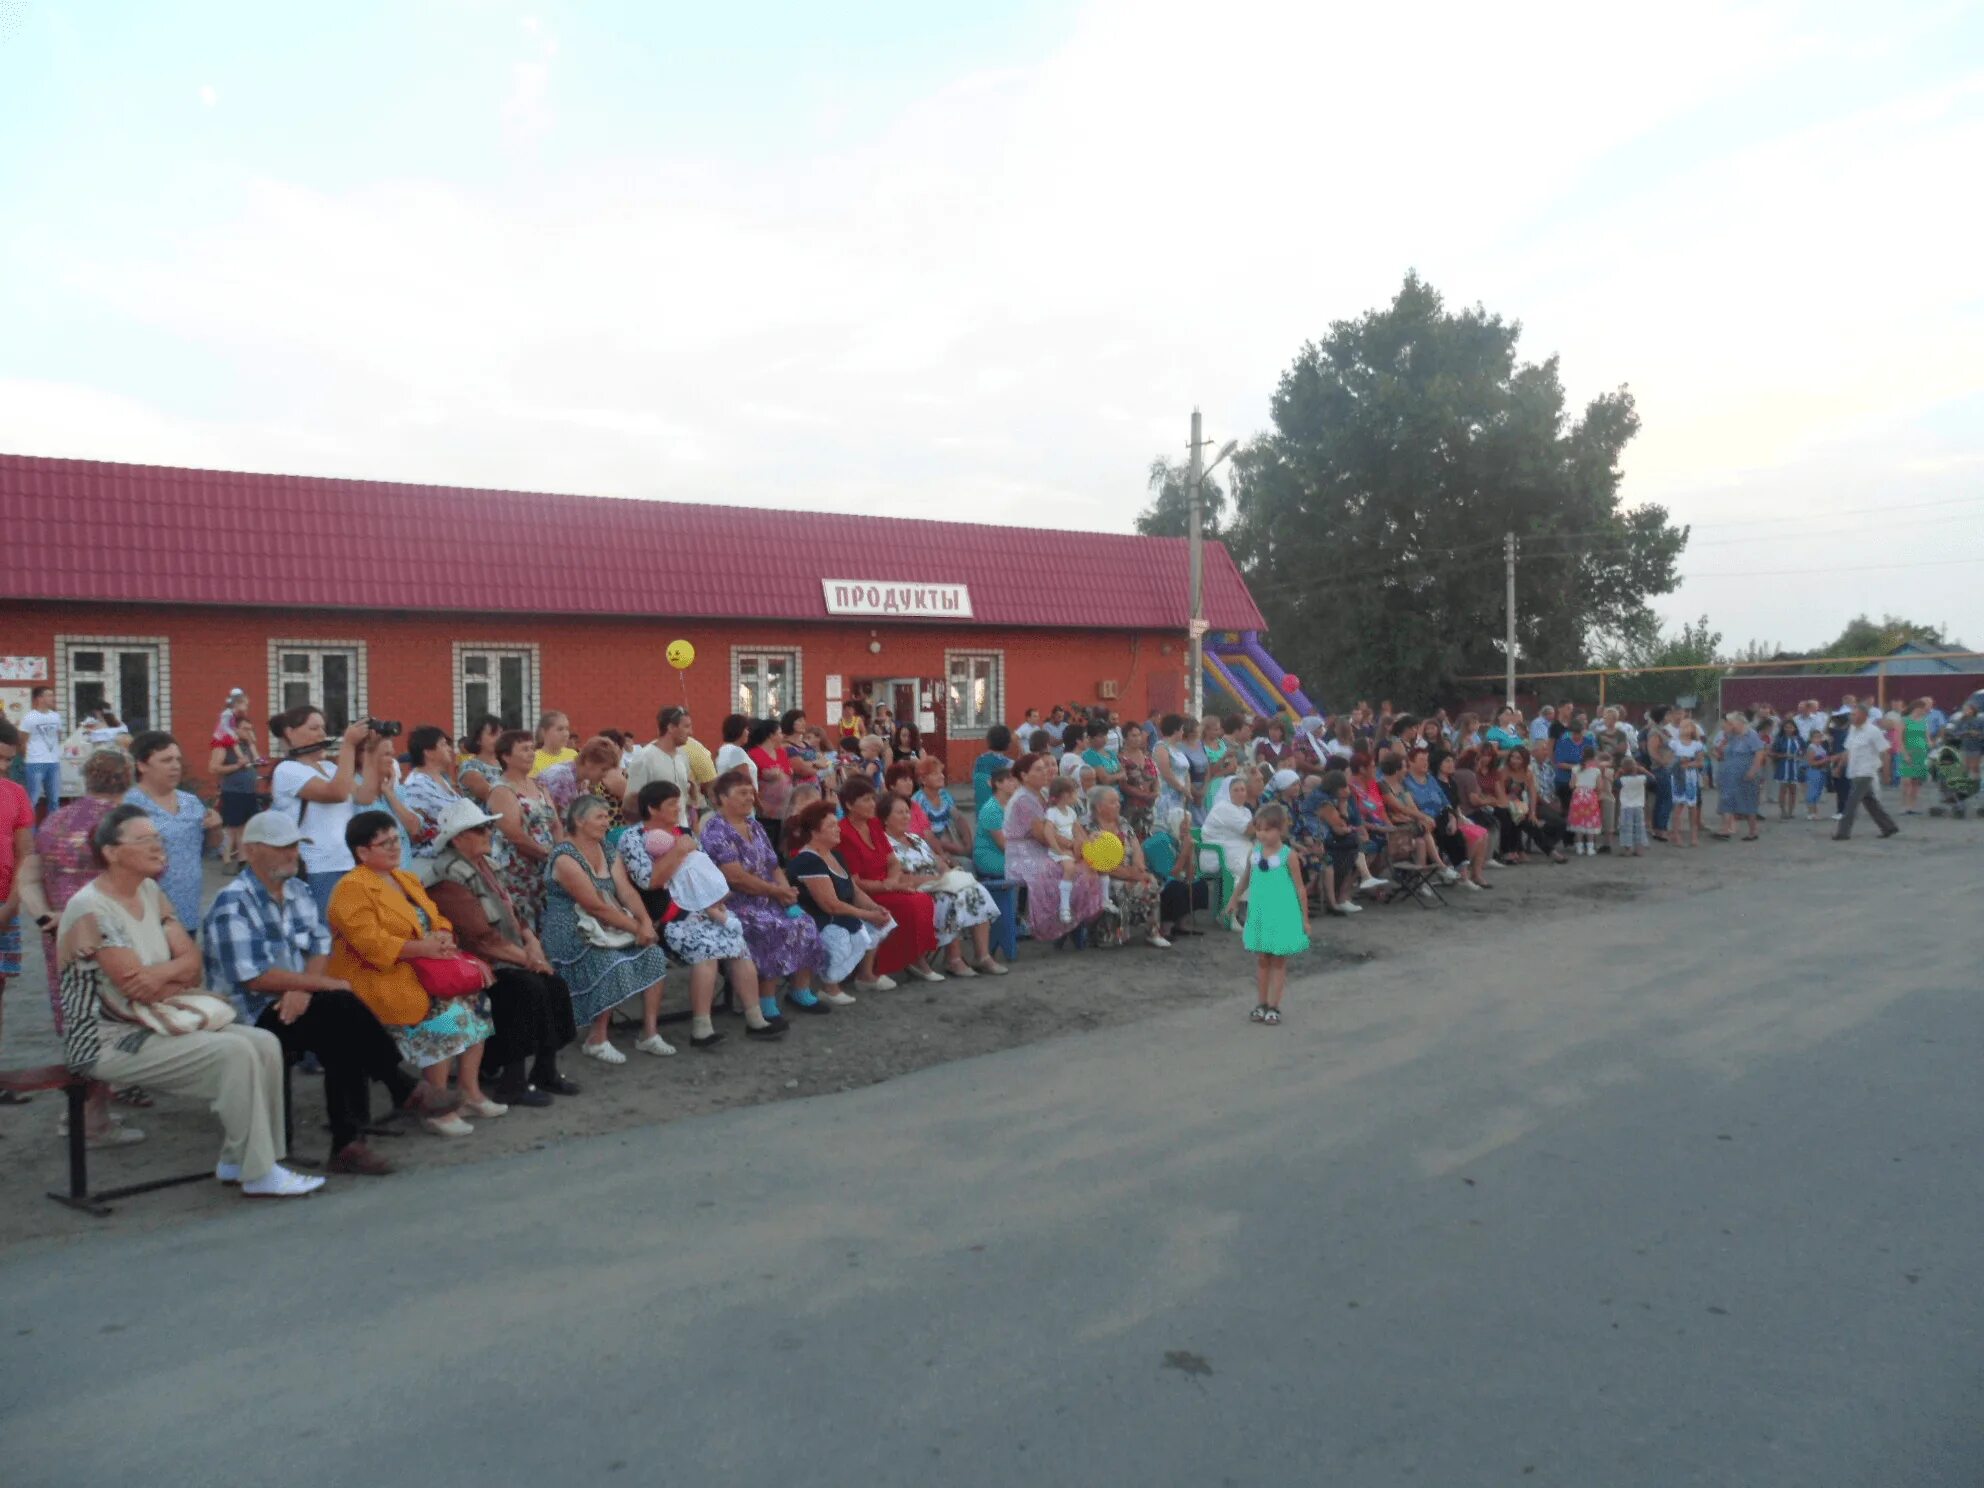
x=599 y=936
x=124 y=953
x=382 y=922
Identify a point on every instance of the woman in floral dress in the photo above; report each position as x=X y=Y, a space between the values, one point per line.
x=528 y=824
x=782 y=944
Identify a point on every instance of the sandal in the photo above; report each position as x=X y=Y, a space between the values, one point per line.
x=1270 y=1015
x=1259 y=1014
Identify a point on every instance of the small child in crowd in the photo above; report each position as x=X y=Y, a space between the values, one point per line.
x=1632 y=777
x=1587 y=816
x=1277 y=909
x=1068 y=838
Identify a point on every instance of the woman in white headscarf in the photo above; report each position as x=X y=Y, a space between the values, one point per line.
x=1309 y=750
x=1229 y=824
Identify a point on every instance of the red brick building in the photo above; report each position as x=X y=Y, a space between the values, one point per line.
x=160 y=589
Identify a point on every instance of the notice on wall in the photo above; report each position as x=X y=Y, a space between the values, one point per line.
x=897 y=598
x=926 y=723
x=833 y=685
x=24 y=668
x=14 y=703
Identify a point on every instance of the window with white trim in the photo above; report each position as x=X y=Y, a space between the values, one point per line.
x=495 y=679
x=127 y=672
x=764 y=684
x=976 y=692
x=328 y=675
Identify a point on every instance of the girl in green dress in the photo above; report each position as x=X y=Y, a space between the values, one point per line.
x=1277 y=905
x=1914 y=768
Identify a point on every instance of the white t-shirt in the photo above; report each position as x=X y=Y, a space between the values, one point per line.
x=1632 y=792
x=43 y=731
x=1071 y=763
x=103 y=734
x=1808 y=724
x=323 y=823
x=735 y=757
x=652 y=763
x=1064 y=820
x=1865 y=744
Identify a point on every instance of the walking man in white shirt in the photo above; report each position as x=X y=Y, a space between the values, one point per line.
x=41 y=731
x=1865 y=747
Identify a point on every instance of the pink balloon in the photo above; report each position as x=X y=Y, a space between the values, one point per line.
x=1291 y=683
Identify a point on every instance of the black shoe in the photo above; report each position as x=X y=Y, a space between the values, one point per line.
x=769 y=1031
x=557 y=1085
x=705 y=1043
x=815 y=1006
x=1891 y=831
x=525 y=1097
x=1841 y=837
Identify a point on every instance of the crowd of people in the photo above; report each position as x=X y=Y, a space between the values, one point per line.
x=448 y=918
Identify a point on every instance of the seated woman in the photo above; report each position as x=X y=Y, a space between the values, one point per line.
x=1030 y=845
x=1133 y=905
x=851 y=924
x=865 y=848
x=899 y=781
x=1463 y=802
x=988 y=849
x=429 y=788
x=784 y=944
x=684 y=892
x=382 y=921
x=967 y=907
x=947 y=830
x=905 y=745
x=120 y=947
x=1525 y=794
x=529 y=1002
x=1139 y=785
x=1271 y=746
x=599 y=937
x=595 y=771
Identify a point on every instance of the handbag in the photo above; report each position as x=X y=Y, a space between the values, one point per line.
x=449 y=976
x=183 y=1012
x=955 y=881
x=606 y=937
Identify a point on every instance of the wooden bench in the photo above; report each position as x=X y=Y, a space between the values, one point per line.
x=76 y=1088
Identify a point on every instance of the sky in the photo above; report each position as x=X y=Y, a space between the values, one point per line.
x=982 y=261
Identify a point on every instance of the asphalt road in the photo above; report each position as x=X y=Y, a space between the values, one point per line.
x=1681 y=1192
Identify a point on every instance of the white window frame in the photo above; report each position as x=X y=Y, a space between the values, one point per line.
x=160 y=648
x=354 y=651
x=995 y=693
x=533 y=677
x=795 y=665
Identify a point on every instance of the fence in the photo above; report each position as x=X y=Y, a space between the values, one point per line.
x=1780 y=683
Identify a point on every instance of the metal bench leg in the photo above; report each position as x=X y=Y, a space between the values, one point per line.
x=78 y=1197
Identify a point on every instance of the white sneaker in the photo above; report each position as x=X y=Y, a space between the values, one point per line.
x=280 y=1183
x=880 y=984
x=1349 y=908
x=1158 y=942
x=1371 y=885
x=1339 y=909
x=836 y=999
x=655 y=1044
x=449 y=1125
x=1426 y=893
x=1067 y=916
x=604 y=1053
x=1470 y=885
x=228 y=1172
x=1496 y=863
x=1838 y=815
x=1447 y=875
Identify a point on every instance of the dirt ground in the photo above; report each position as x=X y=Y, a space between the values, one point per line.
x=1049 y=993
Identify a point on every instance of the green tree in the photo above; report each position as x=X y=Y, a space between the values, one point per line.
x=1646 y=645
x=1370 y=518
x=1170 y=512
x=1864 y=637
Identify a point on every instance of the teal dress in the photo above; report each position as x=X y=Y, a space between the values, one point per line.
x=1274 y=915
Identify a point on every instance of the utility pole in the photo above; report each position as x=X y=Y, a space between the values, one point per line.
x=1509 y=557
x=1195 y=682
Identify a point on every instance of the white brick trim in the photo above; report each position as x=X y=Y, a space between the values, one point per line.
x=361 y=682
x=737 y=655
x=161 y=677
x=533 y=679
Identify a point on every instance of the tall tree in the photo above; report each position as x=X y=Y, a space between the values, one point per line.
x=1370 y=518
x=1864 y=637
x=1170 y=511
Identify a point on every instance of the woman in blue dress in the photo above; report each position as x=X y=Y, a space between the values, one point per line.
x=183 y=820
x=598 y=934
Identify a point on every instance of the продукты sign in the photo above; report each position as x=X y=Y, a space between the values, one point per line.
x=894 y=597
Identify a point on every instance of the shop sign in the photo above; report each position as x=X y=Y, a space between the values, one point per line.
x=893 y=597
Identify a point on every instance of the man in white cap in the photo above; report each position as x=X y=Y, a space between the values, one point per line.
x=266 y=946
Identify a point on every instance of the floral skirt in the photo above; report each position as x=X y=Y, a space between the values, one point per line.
x=963 y=910
x=1585 y=814
x=782 y=945
x=452 y=1025
x=1130 y=911
x=693 y=937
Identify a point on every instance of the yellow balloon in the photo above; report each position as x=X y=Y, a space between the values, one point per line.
x=681 y=655
x=1103 y=852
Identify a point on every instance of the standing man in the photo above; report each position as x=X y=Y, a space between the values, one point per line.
x=1539 y=726
x=664 y=759
x=266 y=946
x=41 y=729
x=1866 y=749
x=1808 y=720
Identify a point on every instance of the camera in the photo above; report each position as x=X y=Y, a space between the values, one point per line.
x=385 y=728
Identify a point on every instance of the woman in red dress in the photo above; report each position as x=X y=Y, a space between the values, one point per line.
x=866 y=850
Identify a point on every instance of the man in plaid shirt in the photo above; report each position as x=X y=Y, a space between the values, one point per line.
x=266 y=945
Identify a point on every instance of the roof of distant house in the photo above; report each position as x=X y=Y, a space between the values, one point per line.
x=159 y=534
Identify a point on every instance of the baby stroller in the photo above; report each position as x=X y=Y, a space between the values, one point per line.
x=1946 y=767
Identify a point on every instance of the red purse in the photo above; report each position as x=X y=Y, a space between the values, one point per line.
x=449 y=976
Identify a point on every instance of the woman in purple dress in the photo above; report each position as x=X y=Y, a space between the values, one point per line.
x=781 y=937
x=1027 y=859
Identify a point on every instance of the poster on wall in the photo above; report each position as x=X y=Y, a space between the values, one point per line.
x=14 y=703
x=24 y=668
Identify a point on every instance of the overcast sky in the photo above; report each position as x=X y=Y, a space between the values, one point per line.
x=982 y=260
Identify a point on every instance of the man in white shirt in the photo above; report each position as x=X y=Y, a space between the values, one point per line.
x=1539 y=726
x=664 y=759
x=1865 y=746
x=41 y=731
x=1808 y=720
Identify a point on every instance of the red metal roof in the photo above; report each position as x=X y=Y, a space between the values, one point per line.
x=87 y=530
